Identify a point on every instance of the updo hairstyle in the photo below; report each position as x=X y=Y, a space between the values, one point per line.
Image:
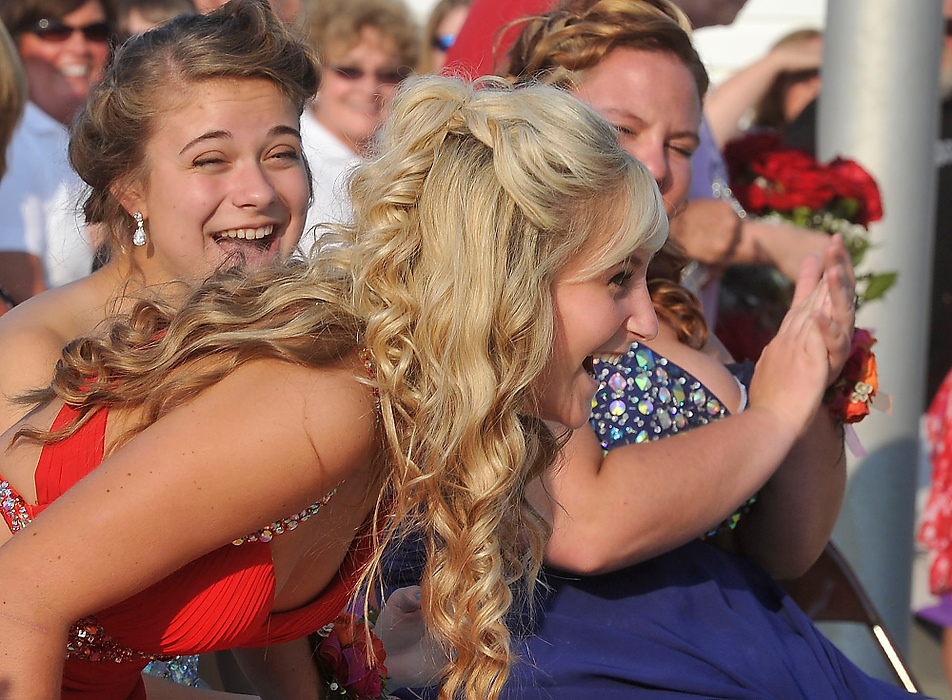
x=557 y=48
x=560 y=47
x=480 y=197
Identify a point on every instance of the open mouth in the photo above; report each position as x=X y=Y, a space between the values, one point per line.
x=589 y=365
x=260 y=237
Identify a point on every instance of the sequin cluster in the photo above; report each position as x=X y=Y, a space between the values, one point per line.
x=645 y=397
x=88 y=641
x=15 y=512
x=279 y=527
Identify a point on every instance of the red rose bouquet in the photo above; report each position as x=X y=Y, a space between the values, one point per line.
x=346 y=667
x=774 y=181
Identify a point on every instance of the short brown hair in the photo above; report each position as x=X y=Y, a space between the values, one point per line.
x=557 y=48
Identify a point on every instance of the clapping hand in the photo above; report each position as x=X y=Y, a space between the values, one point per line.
x=813 y=342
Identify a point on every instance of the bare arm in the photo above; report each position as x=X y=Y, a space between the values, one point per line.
x=726 y=105
x=798 y=507
x=198 y=478
x=711 y=232
x=642 y=500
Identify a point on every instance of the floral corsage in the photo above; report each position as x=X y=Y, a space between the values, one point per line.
x=343 y=661
x=851 y=395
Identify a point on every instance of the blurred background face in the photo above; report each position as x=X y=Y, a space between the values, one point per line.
x=945 y=68
x=444 y=36
x=63 y=56
x=357 y=86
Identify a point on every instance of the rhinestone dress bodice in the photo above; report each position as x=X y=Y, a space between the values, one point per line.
x=645 y=396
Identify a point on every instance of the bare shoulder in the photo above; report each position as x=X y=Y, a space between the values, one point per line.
x=336 y=411
x=706 y=369
x=31 y=341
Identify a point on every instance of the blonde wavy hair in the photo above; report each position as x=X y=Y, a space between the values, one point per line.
x=558 y=48
x=477 y=199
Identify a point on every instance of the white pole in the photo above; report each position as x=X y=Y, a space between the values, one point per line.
x=880 y=106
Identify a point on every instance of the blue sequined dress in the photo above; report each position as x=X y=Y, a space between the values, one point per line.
x=696 y=622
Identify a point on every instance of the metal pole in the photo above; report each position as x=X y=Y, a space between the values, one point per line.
x=880 y=107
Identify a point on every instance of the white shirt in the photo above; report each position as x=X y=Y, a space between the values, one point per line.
x=41 y=200
x=331 y=161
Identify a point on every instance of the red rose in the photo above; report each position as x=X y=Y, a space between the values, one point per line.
x=344 y=651
x=855 y=183
x=740 y=153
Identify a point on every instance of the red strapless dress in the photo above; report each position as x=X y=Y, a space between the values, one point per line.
x=219 y=601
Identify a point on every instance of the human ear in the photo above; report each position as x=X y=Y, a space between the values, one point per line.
x=131 y=197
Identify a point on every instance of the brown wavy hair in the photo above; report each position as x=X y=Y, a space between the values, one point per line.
x=557 y=48
x=477 y=200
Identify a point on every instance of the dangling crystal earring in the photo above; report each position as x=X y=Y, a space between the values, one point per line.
x=138 y=238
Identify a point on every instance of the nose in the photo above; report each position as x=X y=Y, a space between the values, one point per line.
x=654 y=156
x=642 y=321
x=252 y=187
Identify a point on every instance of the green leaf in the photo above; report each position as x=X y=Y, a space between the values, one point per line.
x=877 y=285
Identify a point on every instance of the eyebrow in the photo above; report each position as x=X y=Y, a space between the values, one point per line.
x=279 y=130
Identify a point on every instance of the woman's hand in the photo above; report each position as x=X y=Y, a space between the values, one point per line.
x=840 y=305
x=414 y=659
x=793 y=370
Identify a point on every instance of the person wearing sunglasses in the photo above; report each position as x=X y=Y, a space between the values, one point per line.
x=446 y=19
x=64 y=46
x=368 y=48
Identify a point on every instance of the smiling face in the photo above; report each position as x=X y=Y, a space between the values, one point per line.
x=59 y=73
x=357 y=86
x=226 y=181
x=652 y=99
x=594 y=316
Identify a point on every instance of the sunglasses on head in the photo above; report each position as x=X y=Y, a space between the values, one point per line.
x=443 y=42
x=54 y=30
x=387 y=76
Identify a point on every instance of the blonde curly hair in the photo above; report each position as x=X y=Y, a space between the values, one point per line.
x=477 y=199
